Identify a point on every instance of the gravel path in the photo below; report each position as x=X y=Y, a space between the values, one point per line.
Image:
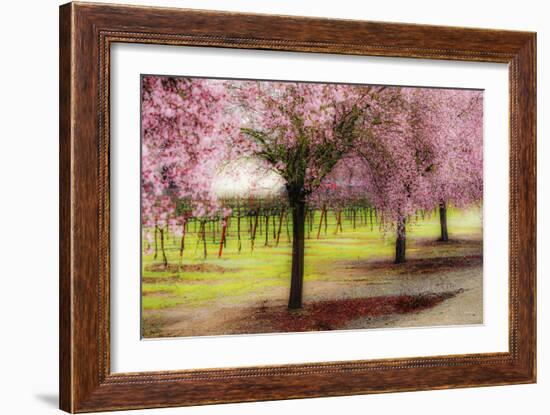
x=351 y=280
x=465 y=308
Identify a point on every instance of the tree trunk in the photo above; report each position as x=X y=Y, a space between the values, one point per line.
x=182 y=243
x=212 y=226
x=287 y=229
x=266 y=230
x=164 y=259
x=222 y=240
x=156 y=243
x=239 y=229
x=253 y=236
x=320 y=223
x=443 y=221
x=227 y=228
x=306 y=224
x=297 y=276
x=204 y=239
x=401 y=240
x=280 y=226
x=339 y=222
x=370 y=216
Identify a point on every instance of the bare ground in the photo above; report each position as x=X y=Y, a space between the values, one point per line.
x=422 y=292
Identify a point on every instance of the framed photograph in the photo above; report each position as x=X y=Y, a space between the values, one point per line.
x=259 y=207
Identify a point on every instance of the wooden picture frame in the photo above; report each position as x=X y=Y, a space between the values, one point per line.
x=86 y=33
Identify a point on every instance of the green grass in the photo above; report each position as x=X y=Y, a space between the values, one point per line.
x=255 y=273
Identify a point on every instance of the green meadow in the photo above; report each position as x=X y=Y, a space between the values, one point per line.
x=242 y=276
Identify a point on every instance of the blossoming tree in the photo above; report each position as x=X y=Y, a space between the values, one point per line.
x=454 y=119
x=302 y=130
x=398 y=149
x=184 y=133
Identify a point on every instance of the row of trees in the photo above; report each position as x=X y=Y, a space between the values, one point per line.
x=264 y=221
x=402 y=149
x=254 y=223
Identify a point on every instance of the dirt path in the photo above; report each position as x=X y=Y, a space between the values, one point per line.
x=454 y=284
x=464 y=308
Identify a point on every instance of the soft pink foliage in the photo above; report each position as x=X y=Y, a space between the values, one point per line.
x=184 y=126
x=457 y=136
x=320 y=123
x=410 y=148
x=427 y=149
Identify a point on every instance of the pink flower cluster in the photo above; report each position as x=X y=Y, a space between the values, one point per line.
x=412 y=148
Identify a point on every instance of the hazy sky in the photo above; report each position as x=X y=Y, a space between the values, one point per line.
x=245 y=177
